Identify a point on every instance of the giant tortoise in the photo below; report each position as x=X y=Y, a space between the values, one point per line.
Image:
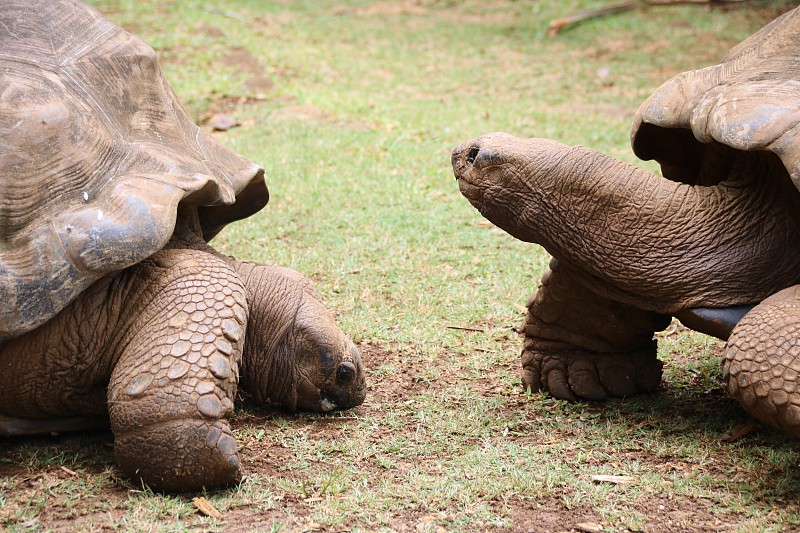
x=115 y=308
x=714 y=240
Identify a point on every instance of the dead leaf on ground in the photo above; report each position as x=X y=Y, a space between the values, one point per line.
x=222 y=122
x=740 y=431
x=205 y=507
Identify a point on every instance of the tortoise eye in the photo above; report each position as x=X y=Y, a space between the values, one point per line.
x=345 y=374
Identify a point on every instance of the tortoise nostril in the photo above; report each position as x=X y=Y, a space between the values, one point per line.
x=345 y=374
x=473 y=153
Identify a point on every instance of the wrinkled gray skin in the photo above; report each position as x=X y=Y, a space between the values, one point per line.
x=115 y=309
x=716 y=236
x=158 y=349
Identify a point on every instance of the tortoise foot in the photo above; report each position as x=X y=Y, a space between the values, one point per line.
x=583 y=375
x=762 y=361
x=182 y=455
x=173 y=388
x=580 y=344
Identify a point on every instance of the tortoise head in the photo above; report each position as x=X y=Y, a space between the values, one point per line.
x=295 y=354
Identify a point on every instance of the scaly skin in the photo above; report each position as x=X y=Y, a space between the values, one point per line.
x=762 y=361
x=158 y=347
x=174 y=384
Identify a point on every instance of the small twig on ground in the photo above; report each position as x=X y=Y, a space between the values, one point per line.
x=461 y=328
x=556 y=26
x=70 y=472
x=616 y=480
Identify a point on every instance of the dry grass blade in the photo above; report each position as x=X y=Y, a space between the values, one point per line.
x=464 y=328
x=615 y=480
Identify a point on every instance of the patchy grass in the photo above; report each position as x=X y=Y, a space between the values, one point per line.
x=353 y=109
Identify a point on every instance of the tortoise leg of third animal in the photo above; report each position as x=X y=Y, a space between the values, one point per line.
x=762 y=361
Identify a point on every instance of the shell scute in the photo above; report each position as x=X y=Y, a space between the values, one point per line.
x=750 y=101
x=96 y=156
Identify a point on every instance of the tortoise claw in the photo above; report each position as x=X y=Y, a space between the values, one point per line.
x=582 y=375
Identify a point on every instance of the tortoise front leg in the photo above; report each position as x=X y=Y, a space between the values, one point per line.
x=762 y=361
x=173 y=386
x=580 y=345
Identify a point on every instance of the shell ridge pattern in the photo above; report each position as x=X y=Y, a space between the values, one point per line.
x=96 y=155
x=81 y=50
x=88 y=96
x=749 y=101
x=8 y=30
x=72 y=60
x=226 y=192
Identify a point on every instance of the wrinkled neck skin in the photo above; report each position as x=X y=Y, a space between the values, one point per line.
x=294 y=353
x=267 y=370
x=639 y=238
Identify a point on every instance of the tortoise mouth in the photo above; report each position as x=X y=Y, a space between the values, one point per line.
x=462 y=160
x=345 y=397
x=334 y=402
x=474 y=193
x=458 y=161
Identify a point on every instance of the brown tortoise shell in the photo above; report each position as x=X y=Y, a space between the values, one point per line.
x=749 y=101
x=96 y=155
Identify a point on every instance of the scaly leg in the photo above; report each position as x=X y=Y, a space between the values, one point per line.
x=762 y=361
x=579 y=345
x=173 y=387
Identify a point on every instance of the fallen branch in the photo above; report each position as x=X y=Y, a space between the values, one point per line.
x=556 y=26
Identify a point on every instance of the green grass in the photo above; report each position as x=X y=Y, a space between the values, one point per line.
x=355 y=137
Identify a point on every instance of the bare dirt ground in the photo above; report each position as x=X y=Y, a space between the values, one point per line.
x=90 y=459
x=44 y=468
